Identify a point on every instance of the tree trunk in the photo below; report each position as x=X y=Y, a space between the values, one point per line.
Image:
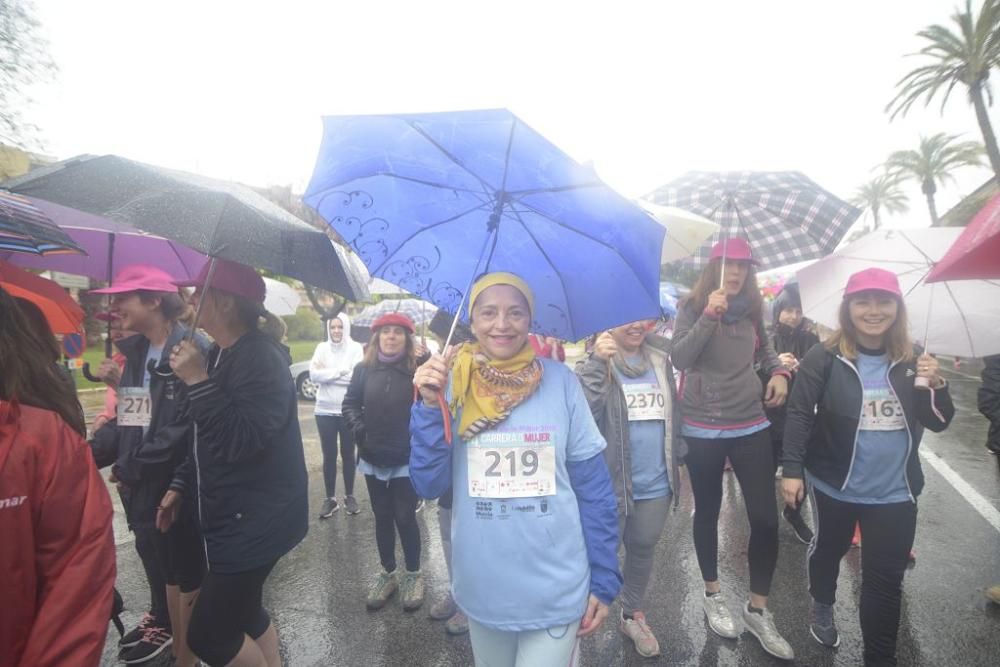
x=989 y=139
x=874 y=218
x=932 y=207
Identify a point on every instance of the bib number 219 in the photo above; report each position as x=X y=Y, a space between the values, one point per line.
x=528 y=461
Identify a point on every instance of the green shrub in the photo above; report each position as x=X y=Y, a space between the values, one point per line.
x=304 y=325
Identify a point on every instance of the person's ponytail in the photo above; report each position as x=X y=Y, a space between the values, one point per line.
x=272 y=326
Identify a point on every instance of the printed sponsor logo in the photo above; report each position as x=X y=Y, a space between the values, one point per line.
x=13 y=501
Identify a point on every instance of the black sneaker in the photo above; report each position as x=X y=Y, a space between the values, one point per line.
x=329 y=507
x=802 y=531
x=153 y=642
x=134 y=636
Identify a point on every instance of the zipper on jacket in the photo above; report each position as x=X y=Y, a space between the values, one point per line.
x=909 y=436
x=854 y=446
x=621 y=439
x=197 y=476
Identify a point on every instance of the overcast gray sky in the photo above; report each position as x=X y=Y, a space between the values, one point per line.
x=645 y=90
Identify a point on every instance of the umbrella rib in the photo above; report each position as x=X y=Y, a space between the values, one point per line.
x=569 y=314
x=422 y=230
x=554 y=190
x=482 y=181
x=655 y=297
x=432 y=184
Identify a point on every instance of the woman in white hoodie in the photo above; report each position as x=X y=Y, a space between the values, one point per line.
x=331 y=368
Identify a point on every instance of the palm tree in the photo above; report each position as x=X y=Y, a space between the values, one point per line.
x=934 y=163
x=881 y=193
x=965 y=57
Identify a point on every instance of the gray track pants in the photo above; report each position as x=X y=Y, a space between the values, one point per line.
x=640 y=532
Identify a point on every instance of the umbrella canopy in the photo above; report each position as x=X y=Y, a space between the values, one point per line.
x=958 y=318
x=785 y=216
x=62 y=313
x=686 y=231
x=419 y=311
x=25 y=229
x=430 y=201
x=280 y=298
x=218 y=218
x=109 y=245
x=976 y=252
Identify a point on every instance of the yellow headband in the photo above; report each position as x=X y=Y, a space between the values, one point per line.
x=502 y=278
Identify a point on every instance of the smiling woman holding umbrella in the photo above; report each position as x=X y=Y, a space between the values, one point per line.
x=530 y=486
x=718 y=339
x=855 y=419
x=246 y=470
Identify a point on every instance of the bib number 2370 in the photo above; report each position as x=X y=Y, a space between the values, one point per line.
x=499 y=470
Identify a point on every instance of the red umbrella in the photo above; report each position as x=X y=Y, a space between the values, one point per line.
x=975 y=254
x=63 y=314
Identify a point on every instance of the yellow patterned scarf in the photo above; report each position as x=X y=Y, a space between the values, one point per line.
x=486 y=391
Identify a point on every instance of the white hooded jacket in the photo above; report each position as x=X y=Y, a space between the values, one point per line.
x=331 y=368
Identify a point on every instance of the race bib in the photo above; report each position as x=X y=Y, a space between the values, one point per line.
x=134 y=406
x=644 y=401
x=512 y=464
x=881 y=411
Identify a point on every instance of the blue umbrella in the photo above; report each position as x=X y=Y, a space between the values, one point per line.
x=431 y=201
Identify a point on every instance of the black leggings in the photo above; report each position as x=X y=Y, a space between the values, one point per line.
x=330 y=426
x=752 y=462
x=888 y=533
x=228 y=607
x=395 y=506
x=151 y=545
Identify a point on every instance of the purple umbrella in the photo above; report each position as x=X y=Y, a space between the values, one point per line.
x=110 y=245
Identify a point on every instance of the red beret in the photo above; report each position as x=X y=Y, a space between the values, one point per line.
x=398 y=319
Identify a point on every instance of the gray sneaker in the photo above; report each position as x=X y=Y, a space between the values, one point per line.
x=351 y=505
x=457 y=624
x=385 y=587
x=762 y=627
x=411 y=590
x=822 y=626
x=329 y=507
x=443 y=609
x=718 y=617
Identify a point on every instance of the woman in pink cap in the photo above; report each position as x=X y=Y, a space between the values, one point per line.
x=718 y=341
x=855 y=418
x=246 y=470
x=144 y=444
x=377 y=410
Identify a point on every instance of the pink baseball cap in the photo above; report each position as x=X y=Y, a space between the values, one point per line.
x=137 y=277
x=231 y=278
x=873 y=279
x=736 y=249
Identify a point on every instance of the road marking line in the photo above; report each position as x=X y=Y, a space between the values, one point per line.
x=973 y=497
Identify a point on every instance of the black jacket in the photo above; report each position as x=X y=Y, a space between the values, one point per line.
x=246 y=469
x=377 y=410
x=989 y=400
x=824 y=413
x=145 y=462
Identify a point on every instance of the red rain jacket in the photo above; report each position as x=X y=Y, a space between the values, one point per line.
x=57 y=550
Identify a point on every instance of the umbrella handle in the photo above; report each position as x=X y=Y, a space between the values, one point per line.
x=446 y=414
x=87 y=374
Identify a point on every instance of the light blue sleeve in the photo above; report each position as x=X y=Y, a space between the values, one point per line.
x=584 y=439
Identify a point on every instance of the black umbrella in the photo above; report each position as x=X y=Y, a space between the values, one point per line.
x=218 y=218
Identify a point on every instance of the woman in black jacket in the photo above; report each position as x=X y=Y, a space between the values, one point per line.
x=246 y=471
x=377 y=410
x=855 y=418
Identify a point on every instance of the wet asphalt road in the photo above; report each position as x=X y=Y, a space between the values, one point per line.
x=316 y=593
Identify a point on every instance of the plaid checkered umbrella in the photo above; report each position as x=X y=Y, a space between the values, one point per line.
x=785 y=216
x=417 y=310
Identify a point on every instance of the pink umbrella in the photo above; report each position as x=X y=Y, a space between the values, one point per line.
x=975 y=254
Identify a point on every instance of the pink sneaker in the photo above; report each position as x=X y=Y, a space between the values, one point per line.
x=635 y=628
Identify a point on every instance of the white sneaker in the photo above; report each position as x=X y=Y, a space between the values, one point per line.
x=762 y=627
x=718 y=616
